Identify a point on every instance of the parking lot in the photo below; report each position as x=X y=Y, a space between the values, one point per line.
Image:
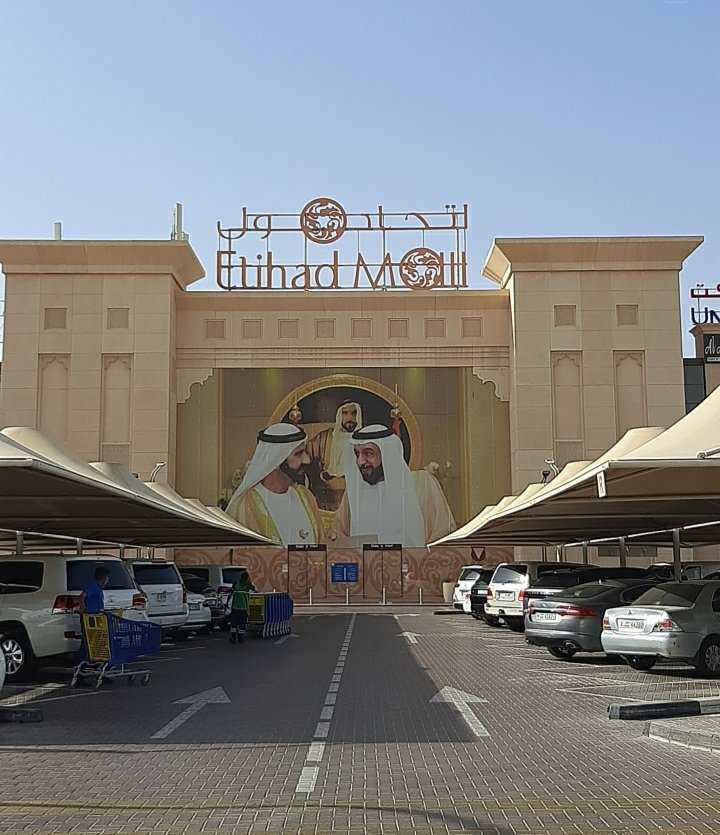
x=377 y=720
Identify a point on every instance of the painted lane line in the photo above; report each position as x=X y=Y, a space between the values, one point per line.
x=309 y=774
x=285 y=638
x=308 y=778
x=315 y=754
x=322 y=730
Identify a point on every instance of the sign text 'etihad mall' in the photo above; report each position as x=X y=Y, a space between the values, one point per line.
x=323 y=223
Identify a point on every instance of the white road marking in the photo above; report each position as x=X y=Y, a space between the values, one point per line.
x=308 y=778
x=28 y=695
x=309 y=774
x=322 y=729
x=285 y=638
x=195 y=703
x=315 y=754
x=462 y=701
x=410 y=636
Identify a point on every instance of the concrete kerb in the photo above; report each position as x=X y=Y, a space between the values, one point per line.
x=665 y=710
x=24 y=714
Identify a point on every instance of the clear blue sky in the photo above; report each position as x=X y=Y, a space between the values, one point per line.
x=549 y=118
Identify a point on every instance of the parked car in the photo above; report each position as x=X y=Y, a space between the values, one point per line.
x=508 y=586
x=167 y=598
x=679 y=621
x=199 y=620
x=571 y=620
x=216 y=607
x=555 y=582
x=40 y=604
x=478 y=593
x=468 y=575
x=219 y=577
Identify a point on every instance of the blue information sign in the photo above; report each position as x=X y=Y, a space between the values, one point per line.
x=344 y=572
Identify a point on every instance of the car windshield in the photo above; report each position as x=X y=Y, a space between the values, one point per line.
x=589 y=590
x=470 y=574
x=203 y=573
x=671 y=594
x=81 y=573
x=156 y=575
x=559 y=580
x=20 y=576
x=195 y=584
x=509 y=574
x=232 y=575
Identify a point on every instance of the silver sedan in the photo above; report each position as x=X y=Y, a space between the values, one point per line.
x=678 y=621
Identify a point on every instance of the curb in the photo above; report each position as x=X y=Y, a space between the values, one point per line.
x=26 y=714
x=665 y=710
x=687 y=737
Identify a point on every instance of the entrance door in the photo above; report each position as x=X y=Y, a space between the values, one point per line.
x=307 y=571
x=392 y=574
x=382 y=569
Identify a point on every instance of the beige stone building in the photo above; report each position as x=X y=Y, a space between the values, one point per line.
x=108 y=352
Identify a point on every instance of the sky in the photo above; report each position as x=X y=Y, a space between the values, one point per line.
x=548 y=118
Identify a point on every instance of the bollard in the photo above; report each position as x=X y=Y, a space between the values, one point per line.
x=421 y=603
x=311 y=597
x=384 y=600
x=347 y=597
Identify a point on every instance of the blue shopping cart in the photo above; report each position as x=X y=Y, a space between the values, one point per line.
x=109 y=643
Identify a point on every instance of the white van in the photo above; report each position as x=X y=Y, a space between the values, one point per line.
x=167 y=598
x=40 y=602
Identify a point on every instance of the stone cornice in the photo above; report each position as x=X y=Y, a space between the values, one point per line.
x=175 y=258
x=509 y=256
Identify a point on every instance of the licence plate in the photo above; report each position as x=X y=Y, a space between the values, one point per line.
x=545 y=617
x=161 y=596
x=635 y=625
x=506 y=595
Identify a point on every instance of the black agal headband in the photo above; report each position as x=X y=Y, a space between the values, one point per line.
x=362 y=435
x=292 y=438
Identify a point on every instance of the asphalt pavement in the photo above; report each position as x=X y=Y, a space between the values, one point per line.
x=384 y=720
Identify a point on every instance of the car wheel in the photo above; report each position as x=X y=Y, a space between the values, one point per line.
x=563 y=653
x=516 y=624
x=708 y=657
x=641 y=662
x=490 y=620
x=475 y=615
x=19 y=658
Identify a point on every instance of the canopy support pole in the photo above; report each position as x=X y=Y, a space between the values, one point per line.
x=79 y=545
x=584 y=553
x=19 y=543
x=677 y=562
x=623 y=552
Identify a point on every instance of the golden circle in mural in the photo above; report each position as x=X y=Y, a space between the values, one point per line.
x=421 y=269
x=323 y=220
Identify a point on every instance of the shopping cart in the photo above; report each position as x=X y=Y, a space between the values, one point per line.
x=109 y=643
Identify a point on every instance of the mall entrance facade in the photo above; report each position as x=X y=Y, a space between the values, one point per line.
x=464 y=394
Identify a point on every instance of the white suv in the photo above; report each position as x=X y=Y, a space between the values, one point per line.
x=219 y=577
x=40 y=601
x=461 y=593
x=166 y=594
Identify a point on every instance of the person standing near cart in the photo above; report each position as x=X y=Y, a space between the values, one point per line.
x=239 y=607
x=92 y=600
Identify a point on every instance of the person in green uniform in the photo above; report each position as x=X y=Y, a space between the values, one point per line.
x=239 y=607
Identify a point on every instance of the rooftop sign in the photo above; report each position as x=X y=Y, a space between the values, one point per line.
x=339 y=250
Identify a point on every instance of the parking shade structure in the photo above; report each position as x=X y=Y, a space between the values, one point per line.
x=45 y=490
x=650 y=482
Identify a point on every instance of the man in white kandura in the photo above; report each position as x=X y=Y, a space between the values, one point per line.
x=386 y=502
x=327 y=451
x=272 y=498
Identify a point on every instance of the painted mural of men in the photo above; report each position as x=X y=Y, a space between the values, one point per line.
x=384 y=500
x=327 y=452
x=272 y=498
